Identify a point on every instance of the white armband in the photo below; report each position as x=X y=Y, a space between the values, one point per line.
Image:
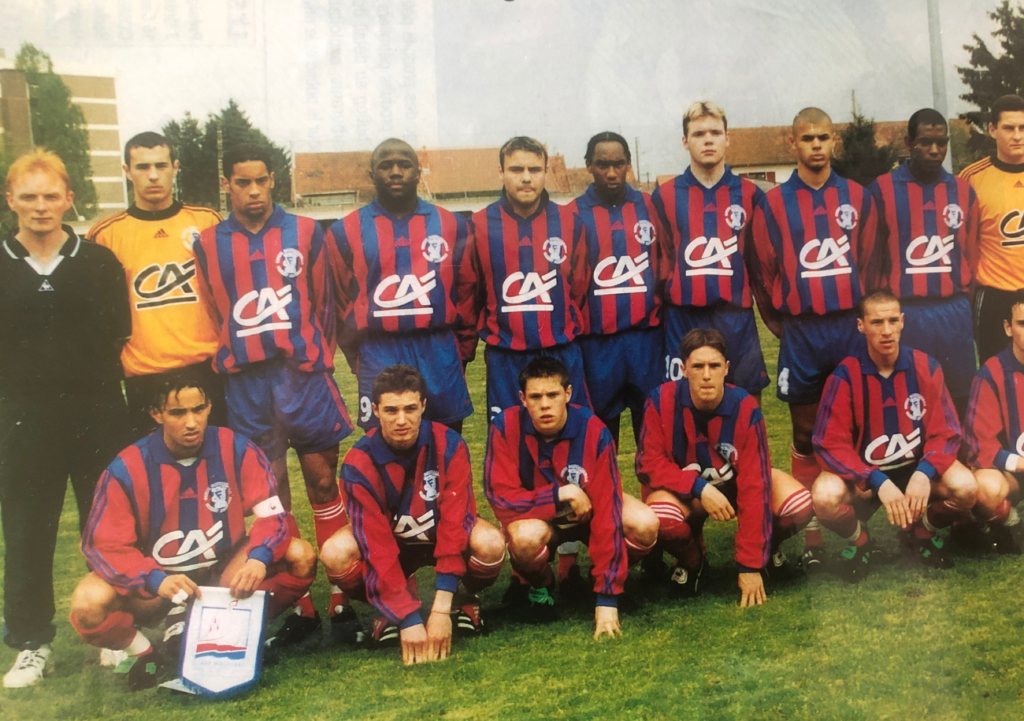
x=1011 y=462
x=270 y=507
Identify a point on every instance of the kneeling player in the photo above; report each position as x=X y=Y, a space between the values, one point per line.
x=704 y=452
x=887 y=434
x=410 y=497
x=169 y=516
x=551 y=475
x=994 y=430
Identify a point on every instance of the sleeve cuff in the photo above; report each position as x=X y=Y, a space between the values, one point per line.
x=262 y=554
x=876 y=479
x=928 y=469
x=1007 y=461
x=607 y=599
x=153 y=580
x=411 y=620
x=447 y=582
x=748 y=569
x=698 y=487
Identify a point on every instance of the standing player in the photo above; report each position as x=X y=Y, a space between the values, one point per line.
x=265 y=276
x=528 y=263
x=887 y=434
x=410 y=496
x=813 y=235
x=710 y=256
x=999 y=182
x=994 y=430
x=189 y=483
x=63 y=319
x=171 y=329
x=551 y=475
x=396 y=266
x=704 y=452
x=927 y=243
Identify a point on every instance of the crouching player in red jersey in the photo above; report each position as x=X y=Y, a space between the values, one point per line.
x=704 y=452
x=551 y=475
x=887 y=434
x=169 y=516
x=409 y=489
x=994 y=430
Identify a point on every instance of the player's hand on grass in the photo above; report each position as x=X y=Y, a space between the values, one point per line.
x=248 y=578
x=174 y=586
x=919 y=489
x=439 y=636
x=578 y=500
x=606 y=622
x=716 y=504
x=414 y=644
x=896 y=508
x=752 y=591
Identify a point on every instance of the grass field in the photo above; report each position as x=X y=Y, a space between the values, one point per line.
x=905 y=643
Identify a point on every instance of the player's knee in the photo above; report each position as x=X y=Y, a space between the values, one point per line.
x=92 y=601
x=527 y=537
x=992 y=487
x=641 y=524
x=961 y=484
x=827 y=494
x=486 y=543
x=300 y=558
x=340 y=551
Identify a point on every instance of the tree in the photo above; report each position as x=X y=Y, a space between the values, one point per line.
x=197 y=176
x=58 y=124
x=990 y=77
x=863 y=159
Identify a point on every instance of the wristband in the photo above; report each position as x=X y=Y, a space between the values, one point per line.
x=180 y=597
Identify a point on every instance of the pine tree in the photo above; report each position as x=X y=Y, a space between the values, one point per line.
x=862 y=159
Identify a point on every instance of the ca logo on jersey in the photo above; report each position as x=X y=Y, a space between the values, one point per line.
x=714 y=476
x=532 y=286
x=930 y=254
x=429 y=492
x=847 y=216
x=218 y=495
x=576 y=475
x=409 y=291
x=289 y=263
x=167 y=284
x=414 y=530
x=915 y=406
x=1012 y=229
x=555 y=250
x=735 y=217
x=643 y=231
x=197 y=543
x=953 y=216
x=435 y=248
x=626 y=277
x=269 y=304
x=896 y=450
x=713 y=252
x=825 y=253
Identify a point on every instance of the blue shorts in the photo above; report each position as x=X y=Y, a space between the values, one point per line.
x=435 y=355
x=811 y=348
x=503 y=368
x=277 y=406
x=746 y=361
x=622 y=368
x=941 y=327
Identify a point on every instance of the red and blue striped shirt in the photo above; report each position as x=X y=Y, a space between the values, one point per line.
x=994 y=423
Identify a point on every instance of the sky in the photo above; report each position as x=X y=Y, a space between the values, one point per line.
x=329 y=75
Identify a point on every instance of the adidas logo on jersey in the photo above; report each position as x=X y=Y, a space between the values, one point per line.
x=820 y=211
x=188 y=493
x=258 y=255
x=402 y=242
x=1018 y=184
x=617 y=225
x=928 y=206
x=160 y=234
x=525 y=241
x=710 y=208
x=46 y=286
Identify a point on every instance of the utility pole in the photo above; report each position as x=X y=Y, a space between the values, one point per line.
x=938 y=74
x=636 y=154
x=220 y=164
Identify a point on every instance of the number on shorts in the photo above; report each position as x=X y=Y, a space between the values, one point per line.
x=673 y=368
x=365 y=408
x=784 y=381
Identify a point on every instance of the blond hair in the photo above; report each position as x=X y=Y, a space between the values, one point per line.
x=703 y=109
x=36 y=160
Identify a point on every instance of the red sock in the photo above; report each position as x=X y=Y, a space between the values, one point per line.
x=287 y=590
x=565 y=562
x=803 y=468
x=943 y=514
x=843 y=523
x=920 y=531
x=350 y=583
x=675 y=534
x=795 y=513
x=997 y=517
x=535 y=571
x=116 y=631
x=328 y=519
x=480 y=575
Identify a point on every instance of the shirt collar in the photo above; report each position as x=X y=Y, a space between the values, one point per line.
x=726 y=407
x=574 y=423
x=158 y=449
x=168 y=212
x=796 y=181
x=867 y=366
x=14 y=248
x=689 y=179
x=376 y=209
x=507 y=206
x=381 y=452
x=276 y=220
x=903 y=174
x=592 y=199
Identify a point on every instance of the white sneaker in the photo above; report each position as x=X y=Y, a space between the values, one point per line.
x=29 y=668
x=112 y=657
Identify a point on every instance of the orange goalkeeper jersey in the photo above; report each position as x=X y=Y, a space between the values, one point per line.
x=1000 y=189
x=171 y=328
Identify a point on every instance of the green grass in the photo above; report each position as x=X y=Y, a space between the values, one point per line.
x=905 y=643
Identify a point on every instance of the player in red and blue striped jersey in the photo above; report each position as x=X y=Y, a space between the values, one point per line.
x=994 y=431
x=704 y=452
x=169 y=516
x=710 y=260
x=887 y=434
x=551 y=475
x=621 y=351
x=396 y=268
x=264 y=274
x=409 y=488
x=528 y=263
x=927 y=244
x=814 y=236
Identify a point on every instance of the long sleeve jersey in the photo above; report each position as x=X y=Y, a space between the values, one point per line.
x=625 y=251
x=523 y=475
x=1000 y=189
x=396 y=501
x=994 y=423
x=869 y=426
x=813 y=246
x=530 y=274
x=395 y=275
x=270 y=292
x=927 y=234
x=682 y=450
x=710 y=253
x=153 y=516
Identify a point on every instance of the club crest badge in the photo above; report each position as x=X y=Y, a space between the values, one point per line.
x=914 y=406
x=575 y=475
x=555 y=250
x=643 y=231
x=289 y=263
x=735 y=217
x=218 y=495
x=953 y=215
x=435 y=248
x=429 y=492
x=846 y=216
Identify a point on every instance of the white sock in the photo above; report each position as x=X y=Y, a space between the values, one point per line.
x=1013 y=519
x=139 y=645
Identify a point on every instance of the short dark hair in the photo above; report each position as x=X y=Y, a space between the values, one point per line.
x=544 y=366
x=1016 y=298
x=1006 y=104
x=148 y=139
x=924 y=116
x=243 y=153
x=878 y=295
x=606 y=137
x=522 y=142
x=393 y=144
x=701 y=337
x=173 y=383
x=398 y=379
